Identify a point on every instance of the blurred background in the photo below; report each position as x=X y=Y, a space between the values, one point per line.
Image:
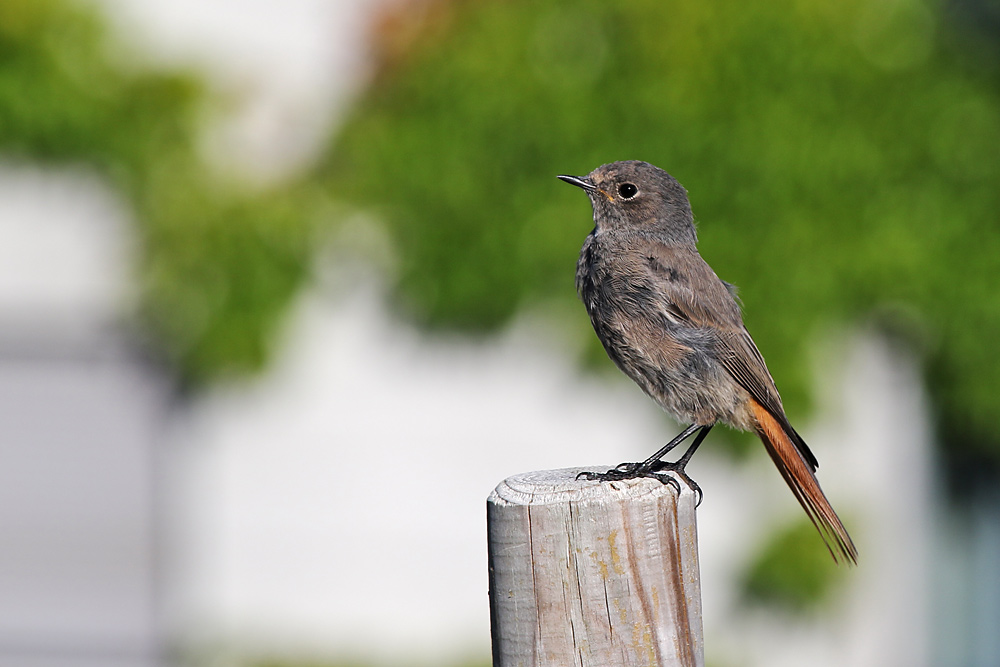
x=286 y=288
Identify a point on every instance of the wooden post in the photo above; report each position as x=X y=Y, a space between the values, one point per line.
x=593 y=574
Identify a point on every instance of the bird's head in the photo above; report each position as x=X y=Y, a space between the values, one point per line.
x=634 y=196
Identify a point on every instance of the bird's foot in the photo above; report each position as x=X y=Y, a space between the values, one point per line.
x=631 y=471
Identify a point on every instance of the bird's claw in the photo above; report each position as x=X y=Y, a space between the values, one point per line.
x=679 y=471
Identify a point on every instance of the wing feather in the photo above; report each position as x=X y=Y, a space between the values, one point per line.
x=713 y=310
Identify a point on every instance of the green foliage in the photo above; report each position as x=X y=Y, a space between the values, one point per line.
x=221 y=269
x=841 y=161
x=793 y=571
x=219 y=265
x=60 y=99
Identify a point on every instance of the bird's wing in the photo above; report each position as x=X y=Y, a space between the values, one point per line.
x=690 y=294
x=711 y=311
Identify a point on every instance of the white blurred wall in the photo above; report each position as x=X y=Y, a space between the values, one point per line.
x=336 y=505
x=81 y=416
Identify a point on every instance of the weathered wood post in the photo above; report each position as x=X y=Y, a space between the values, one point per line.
x=593 y=574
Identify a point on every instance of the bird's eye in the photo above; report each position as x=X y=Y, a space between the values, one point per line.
x=627 y=190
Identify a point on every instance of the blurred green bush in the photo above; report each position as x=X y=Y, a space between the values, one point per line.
x=841 y=160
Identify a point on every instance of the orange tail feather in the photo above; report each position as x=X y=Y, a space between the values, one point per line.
x=803 y=483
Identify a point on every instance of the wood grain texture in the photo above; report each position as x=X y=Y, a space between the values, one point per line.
x=593 y=574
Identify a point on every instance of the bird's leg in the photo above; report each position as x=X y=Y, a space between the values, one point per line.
x=652 y=461
x=651 y=466
x=681 y=463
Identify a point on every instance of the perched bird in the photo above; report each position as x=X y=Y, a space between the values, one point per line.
x=669 y=323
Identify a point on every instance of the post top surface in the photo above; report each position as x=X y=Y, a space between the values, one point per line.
x=542 y=487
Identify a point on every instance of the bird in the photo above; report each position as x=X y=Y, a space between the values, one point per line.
x=676 y=329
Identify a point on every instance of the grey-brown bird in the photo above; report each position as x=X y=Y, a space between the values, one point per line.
x=669 y=323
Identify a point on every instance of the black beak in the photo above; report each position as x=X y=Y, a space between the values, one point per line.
x=579 y=181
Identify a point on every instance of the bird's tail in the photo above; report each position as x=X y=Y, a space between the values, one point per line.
x=799 y=476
